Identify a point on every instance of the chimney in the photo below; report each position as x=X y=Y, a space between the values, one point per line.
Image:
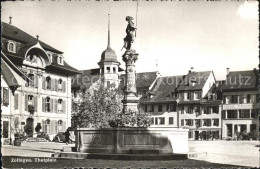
x=10 y=21
x=228 y=70
x=191 y=70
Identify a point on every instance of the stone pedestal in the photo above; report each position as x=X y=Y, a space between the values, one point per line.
x=130 y=100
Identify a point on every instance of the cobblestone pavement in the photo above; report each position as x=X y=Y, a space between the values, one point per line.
x=244 y=153
x=220 y=154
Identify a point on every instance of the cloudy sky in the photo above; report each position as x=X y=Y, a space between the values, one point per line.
x=179 y=35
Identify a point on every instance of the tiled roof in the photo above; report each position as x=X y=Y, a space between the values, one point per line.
x=216 y=91
x=162 y=89
x=12 y=32
x=12 y=75
x=86 y=79
x=199 y=79
x=143 y=80
x=242 y=80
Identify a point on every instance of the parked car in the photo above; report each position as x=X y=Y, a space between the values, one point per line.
x=60 y=137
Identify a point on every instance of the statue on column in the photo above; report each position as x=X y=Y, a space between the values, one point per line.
x=130 y=33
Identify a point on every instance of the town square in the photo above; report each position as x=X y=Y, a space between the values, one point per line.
x=129 y=84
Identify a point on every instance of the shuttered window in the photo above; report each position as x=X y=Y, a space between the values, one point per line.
x=60 y=123
x=5 y=129
x=5 y=96
x=60 y=85
x=60 y=106
x=170 y=120
x=48 y=83
x=46 y=126
x=47 y=104
x=30 y=81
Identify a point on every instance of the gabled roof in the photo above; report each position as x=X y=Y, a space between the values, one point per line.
x=242 y=80
x=163 y=90
x=12 y=75
x=198 y=78
x=143 y=80
x=14 y=33
x=214 y=91
x=86 y=79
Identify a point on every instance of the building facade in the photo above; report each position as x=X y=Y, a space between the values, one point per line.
x=45 y=98
x=199 y=107
x=161 y=101
x=240 y=103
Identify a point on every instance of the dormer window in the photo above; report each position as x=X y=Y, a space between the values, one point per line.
x=60 y=60
x=193 y=83
x=50 y=56
x=11 y=47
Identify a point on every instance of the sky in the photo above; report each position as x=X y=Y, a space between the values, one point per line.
x=175 y=35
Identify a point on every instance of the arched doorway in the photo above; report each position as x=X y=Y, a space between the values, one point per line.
x=28 y=128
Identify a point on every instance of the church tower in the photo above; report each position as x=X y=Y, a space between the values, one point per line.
x=109 y=66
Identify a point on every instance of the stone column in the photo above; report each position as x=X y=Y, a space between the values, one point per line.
x=130 y=100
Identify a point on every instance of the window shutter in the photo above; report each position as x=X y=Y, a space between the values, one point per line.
x=64 y=127
x=56 y=106
x=64 y=86
x=43 y=104
x=56 y=84
x=16 y=101
x=5 y=96
x=52 y=84
x=43 y=83
x=52 y=127
x=36 y=80
x=64 y=106
x=192 y=95
x=26 y=102
x=51 y=105
x=43 y=126
x=55 y=127
x=35 y=103
x=191 y=122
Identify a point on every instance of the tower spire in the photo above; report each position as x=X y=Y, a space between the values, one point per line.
x=108 y=40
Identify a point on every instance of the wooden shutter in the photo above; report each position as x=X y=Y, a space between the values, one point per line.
x=64 y=106
x=56 y=84
x=51 y=105
x=26 y=102
x=43 y=126
x=192 y=95
x=5 y=96
x=56 y=106
x=43 y=104
x=52 y=84
x=43 y=83
x=55 y=126
x=16 y=101
x=52 y=127
x=35 y=102
x=64 y=86
x=64 y=127
x=36 y=80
